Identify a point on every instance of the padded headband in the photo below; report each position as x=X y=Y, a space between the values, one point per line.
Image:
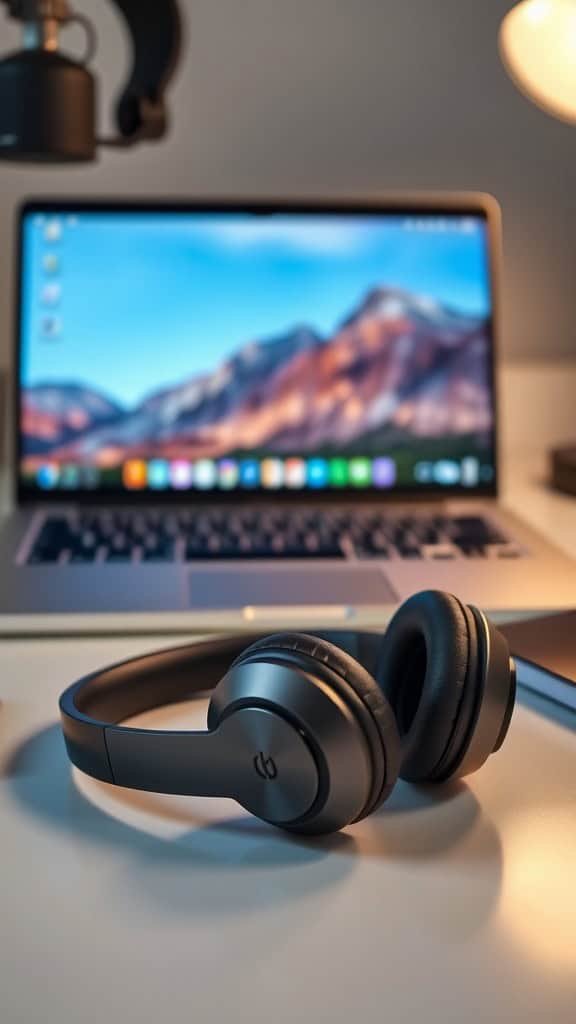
x=92 y=707
x=132 y=687
x=163 y=677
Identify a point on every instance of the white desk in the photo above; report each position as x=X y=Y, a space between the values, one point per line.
x=455 y=906
x=138 y=908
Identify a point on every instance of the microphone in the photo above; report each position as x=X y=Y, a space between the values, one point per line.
x=48 y=99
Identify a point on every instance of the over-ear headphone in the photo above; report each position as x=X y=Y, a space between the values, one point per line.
x=309 y=733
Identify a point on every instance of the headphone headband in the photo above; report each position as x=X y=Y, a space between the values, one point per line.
x=92 y=708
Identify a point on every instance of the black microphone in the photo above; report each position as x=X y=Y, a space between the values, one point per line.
x=48 y=100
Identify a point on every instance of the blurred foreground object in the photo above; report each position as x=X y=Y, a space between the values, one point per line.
x=48 y=101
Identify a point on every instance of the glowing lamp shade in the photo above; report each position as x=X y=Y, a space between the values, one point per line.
x=538 y=49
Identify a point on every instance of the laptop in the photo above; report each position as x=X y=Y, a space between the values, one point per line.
x=233 y=414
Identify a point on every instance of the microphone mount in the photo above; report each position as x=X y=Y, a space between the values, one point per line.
x=48 y=100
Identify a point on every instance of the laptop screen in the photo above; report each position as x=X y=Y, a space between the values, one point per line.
x=221 y=351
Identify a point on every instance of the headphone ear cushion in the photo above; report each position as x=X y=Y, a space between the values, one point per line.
x=423 y=670
x=386 y=753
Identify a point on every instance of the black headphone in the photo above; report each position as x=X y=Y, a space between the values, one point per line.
x=308 y=733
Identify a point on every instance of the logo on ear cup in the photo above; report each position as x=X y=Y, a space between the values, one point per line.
x=265 y=766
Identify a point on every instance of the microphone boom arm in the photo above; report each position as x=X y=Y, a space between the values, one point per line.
x=156 y=32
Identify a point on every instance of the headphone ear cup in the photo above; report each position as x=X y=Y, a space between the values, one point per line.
x=354 y=684
x=421 y=670
x=447 y=674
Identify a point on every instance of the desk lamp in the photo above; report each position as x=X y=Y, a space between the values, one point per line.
x=538 y=49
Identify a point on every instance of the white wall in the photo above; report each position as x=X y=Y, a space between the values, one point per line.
x=293 y=96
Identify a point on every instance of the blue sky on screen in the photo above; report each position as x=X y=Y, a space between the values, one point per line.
x=150 y=300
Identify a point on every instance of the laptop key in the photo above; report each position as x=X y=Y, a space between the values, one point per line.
x=369 y=551
x=83 y=555
x=44 y=556
x=119 y=556
x=441 y=552
x=427 y=539
x=157 y=556
x=158 y=551
x=375 y=544
x=409 y=551
x=508 y=551
x=268 y=551
x=472 y=550
x=474 y=530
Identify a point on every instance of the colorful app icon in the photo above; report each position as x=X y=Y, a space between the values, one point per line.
x=51 y=293
x=272 y=471
x=90 y=477
x=249 y=473
x=383 y=472
x=228 y=474
x=470 y=471
x=47 y=476
x=134 y=474
x=53 y=230
x=295 y=473
x=51 y=263
x=360 y=470
x=338 y=472
x=51 y=326
x=158 y=474
x=469 y=225
x=447 y=472
x=70 y=477
x=205 y=474
x=181 y=475
x=424 y=472
x=317 y=473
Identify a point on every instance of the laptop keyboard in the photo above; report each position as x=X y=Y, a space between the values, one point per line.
x=216 y=534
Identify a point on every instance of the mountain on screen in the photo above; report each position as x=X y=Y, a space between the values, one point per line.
x=53 y=414
x=398 y=366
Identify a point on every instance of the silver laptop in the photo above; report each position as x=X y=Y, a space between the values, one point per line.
x=243 y=413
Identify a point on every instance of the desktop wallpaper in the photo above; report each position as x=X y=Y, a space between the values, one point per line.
x=181 y=338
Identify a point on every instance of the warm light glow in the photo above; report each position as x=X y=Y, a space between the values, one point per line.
x=538 y=902
x=538 y=48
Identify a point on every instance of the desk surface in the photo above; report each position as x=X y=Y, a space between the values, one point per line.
x=450 y=905
x=457 y=904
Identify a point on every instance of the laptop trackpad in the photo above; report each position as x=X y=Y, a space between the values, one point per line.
x=237 y=587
